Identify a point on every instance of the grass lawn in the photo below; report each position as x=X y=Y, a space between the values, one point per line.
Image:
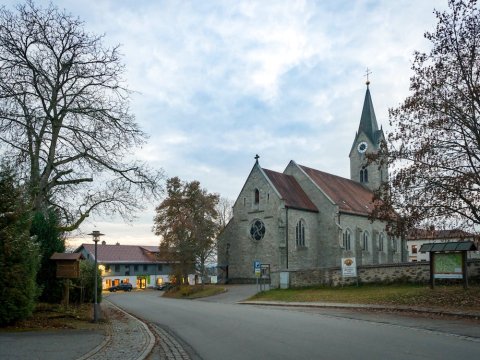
x=194 y=291
x=447 y=297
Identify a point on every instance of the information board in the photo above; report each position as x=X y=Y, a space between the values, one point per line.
x=349 y=267
x=447 y=266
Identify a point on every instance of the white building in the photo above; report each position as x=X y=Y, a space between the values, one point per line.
x=417 y=237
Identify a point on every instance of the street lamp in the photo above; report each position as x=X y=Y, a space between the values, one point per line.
x=96 y=238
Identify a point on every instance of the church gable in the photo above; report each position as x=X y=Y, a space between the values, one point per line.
x=258 y=192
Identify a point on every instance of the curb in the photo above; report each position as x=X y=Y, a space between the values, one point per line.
x=468 y=315
x=151 y=337
x=108 y=338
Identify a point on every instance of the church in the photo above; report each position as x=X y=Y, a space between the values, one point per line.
x=305 y=218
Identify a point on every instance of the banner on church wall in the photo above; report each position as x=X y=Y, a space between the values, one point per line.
x=349 y=267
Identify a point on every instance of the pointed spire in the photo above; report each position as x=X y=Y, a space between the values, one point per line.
x=368 y=121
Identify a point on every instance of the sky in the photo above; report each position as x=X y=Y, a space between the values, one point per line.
x=217 y=82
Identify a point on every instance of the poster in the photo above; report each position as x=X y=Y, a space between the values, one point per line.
x=349 y=267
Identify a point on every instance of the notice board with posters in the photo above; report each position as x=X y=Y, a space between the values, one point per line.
x=448 y=266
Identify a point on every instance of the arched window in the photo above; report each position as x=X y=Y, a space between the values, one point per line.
x=257 y=196
x=366 y=238
x=300 y=234
x=364 y=175
x=347 y=240
x=394 y=244
x=381 y=239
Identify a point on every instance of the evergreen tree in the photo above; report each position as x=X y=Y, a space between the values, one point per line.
x=50 y=240
x=19 y=257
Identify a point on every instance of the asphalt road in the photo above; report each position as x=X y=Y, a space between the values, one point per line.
x=225 y=330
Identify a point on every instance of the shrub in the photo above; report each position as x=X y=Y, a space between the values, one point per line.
x=19 y=259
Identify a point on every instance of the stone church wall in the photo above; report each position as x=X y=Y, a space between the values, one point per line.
x=373 y=255
x=242 y=249
x=299 y=256
x=327 y=234
x=416 y=272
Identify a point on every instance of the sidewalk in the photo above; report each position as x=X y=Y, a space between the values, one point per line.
x=121 y=337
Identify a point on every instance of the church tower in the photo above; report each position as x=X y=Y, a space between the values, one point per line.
x=367 y=141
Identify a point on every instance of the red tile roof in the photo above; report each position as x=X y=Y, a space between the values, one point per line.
x=122 y=253
x=420 y=234
x=350 y=196
x=290 y=191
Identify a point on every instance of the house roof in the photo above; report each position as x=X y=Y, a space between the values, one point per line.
x=290 y=191
x=432 y=234
x=66 y=256
x=350 y=196
x=122 y=253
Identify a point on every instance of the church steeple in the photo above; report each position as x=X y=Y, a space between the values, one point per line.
x=367 y=141
x=368 y=120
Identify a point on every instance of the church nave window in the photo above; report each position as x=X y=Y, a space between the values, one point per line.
x=300 y=234
x=347 y=240
x=257 y=196
x=364 y=175
x=394 y=244
x=365 y=240
x=380 y=241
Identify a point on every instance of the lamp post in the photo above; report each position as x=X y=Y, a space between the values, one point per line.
x=96 y=238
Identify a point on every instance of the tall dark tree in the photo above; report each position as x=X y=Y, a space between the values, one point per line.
x=435 y=152
x=50 y=240
x=19 y=256
x=64 y=117
x=186 y=223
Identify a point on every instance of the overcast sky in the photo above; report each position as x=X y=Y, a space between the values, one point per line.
x=219 y=81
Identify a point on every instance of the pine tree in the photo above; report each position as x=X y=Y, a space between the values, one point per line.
x=19 y=257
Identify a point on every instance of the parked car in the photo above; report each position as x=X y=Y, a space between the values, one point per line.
x=165 y=286
x=123 y=286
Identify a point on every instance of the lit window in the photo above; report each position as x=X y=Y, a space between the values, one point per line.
x=300 y=234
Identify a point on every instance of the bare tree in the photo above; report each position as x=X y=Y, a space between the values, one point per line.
x=435 y=151
x=64 y=117
x=225 y=212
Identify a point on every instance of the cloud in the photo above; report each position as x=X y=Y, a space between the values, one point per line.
x=219 y=81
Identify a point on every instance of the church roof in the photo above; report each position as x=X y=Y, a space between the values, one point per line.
x=368 y=121
x=290 y=191
x=350 y=196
